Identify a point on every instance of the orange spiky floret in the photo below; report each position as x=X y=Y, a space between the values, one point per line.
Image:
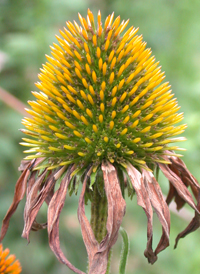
x=8 y=264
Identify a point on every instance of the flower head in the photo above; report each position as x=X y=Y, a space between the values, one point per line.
x=101 y=99
x=8 y=265
x=103 y=119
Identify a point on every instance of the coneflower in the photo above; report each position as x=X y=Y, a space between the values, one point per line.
x=103 y=120
x=8 y=264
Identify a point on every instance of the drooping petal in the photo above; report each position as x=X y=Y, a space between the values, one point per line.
x=175 y=179
x=35 y=226
x=34 y=201
x=179 y=167
x=34 y=163
x=174 y=194
x=31 y=181
x=116 y=206
x=49 y=196
x=55 y=207
x=193 y=225
x=143 y=201
x=98 y=253
x=91 y=243
x=187 y=178
x=23 y=165
x=20 y=190
x=180 y=187
x=160 y=206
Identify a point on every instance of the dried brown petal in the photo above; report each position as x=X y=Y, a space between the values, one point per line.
x=116 y=206
x=34 y=201
x=55 y=207
x=23 y=165
x=143 y=201
x=176 y=179
x=160 y=206
x=193 y=225
x=49 y=196
x=187 y=178
x=180 y=187
x=31 y=181
x=174 y=194
x=20 y=190
x=98 y=253
x=149 y=195
x=91 y=243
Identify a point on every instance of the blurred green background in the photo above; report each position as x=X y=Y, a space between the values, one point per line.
x=27 y=28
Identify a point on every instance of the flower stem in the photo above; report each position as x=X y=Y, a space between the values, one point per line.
x=124 y=252
x=98 y=214
x=109 y=261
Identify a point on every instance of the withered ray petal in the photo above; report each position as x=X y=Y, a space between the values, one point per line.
x=33 y=204
x=179 y=185
x=160 y=206
x=143 y=201
x=20 y=190
x=55 y=207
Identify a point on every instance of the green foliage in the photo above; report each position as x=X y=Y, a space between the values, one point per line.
x=27 y=28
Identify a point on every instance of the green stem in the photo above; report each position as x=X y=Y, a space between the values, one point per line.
x=124 y=252
x=98 y=214
x=109 y=262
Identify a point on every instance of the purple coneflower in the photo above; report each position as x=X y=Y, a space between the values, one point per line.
x=103 y=121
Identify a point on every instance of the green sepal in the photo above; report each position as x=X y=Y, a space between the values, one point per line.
x=76 y=180
x=131 y=190
x=92 y=179
x=71 y=185
x=157 y=172
x=100 y=182
x=121 y=179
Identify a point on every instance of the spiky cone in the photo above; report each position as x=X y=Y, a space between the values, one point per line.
x=102 y=120
x=8 y=264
